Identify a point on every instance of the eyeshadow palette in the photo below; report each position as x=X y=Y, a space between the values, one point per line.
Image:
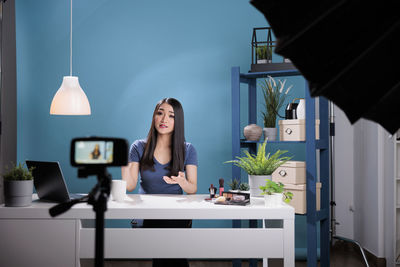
x=233 y=198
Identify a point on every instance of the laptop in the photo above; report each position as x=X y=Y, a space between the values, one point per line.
x=49 y=181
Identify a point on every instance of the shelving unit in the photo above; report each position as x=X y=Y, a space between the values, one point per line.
x=396 y=186
x=311 y=146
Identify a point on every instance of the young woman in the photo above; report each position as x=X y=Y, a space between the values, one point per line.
x=166 y=163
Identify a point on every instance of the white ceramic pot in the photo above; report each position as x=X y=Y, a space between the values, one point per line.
x=264 y=61
x=252 y=132
x=301 y=109
x=270 y=133
x=274 y=200
x=255 y=181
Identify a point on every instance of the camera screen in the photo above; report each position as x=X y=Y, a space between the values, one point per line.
x=94 y=152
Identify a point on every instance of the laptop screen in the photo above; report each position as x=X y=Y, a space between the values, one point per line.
x=49 y=181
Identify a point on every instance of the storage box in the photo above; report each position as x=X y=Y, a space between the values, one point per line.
x=292 y=172
x=295 y=130
x=299 y=197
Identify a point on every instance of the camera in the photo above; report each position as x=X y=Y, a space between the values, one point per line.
x=99 y=151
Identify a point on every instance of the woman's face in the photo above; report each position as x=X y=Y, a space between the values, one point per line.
x=164 y=120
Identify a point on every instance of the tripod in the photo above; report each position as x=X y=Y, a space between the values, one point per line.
x=332 y=186
x=97 y=197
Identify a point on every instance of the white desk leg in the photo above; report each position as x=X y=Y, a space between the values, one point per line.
x=288 y=243
x=78 y=227
x=265 y=260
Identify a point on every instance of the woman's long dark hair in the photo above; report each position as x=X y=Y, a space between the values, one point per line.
x=177 y=142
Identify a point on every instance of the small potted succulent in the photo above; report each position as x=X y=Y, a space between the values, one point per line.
x=260 y=166
x=264 y=54
x=234 y=184
x=274 y=193
x=237 y=186
x=18 y=186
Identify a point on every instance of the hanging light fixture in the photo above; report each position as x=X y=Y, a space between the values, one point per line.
x=70 y=99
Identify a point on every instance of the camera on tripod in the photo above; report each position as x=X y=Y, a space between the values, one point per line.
x=92 y=156
x=98 y=152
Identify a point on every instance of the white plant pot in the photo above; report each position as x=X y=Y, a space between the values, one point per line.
x=264 y=61
x=274 y=200
x=255 y=181
x=270 y=133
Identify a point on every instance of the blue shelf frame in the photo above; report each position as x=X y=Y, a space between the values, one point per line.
x=312 y=148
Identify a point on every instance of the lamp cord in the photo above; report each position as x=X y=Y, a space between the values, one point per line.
x=70 y=44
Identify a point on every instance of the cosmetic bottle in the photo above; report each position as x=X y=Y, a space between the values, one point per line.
x=221 y=186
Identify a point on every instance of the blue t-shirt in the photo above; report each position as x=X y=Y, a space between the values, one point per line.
x=152 y=182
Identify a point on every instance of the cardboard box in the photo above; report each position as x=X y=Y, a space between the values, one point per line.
x=292 y=172
x=299 y=197
x=295 y=130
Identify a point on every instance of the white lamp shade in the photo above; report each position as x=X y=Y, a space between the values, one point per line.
x=70 y=99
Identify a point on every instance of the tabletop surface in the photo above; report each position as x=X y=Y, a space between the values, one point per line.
x=148 y=206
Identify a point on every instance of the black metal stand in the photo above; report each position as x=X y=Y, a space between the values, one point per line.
x=97 y=197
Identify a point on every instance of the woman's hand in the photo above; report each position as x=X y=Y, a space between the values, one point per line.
x=180 y=179
x=189 y=183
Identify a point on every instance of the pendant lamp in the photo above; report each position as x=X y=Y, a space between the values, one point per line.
x=70 y=99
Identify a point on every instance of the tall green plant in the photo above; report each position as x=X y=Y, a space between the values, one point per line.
x=262 y=163
x=274 y=98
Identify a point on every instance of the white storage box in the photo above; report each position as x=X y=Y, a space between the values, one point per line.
x=299 y=197
x=295 y=130
x=292 y=172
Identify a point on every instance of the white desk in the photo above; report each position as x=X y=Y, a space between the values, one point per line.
x=30 y=237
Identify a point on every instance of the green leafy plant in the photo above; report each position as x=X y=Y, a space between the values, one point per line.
x=244 y=187
x=262 y=163
x=272 y=187
x=264 y=52
x=274 y=97
x=234 y=184
x=19 y=173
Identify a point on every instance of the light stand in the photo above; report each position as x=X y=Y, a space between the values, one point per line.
x=97 y=197
x=332 y=186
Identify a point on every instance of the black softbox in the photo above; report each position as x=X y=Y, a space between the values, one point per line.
x=347 y=50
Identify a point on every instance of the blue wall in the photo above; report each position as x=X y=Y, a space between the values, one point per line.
x=128 y=55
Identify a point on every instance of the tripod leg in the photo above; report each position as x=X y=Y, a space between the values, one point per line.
x=358 y=244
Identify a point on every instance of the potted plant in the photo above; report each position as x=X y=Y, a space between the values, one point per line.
x=244 y=187
x=18 y=186
x=259 y=167
x=234 y=184
x=264 y=54
x=274 y=193
x=274 y=97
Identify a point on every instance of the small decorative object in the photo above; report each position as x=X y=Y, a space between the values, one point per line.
x=262 y=46
x=234 y=184
x=212 y=191
x=260 y=165
x=252 y=132
x=274 y=193
x=301 y=109
x=274 y=96
x=221 y=186
x=244 y=187
x=18 y=187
